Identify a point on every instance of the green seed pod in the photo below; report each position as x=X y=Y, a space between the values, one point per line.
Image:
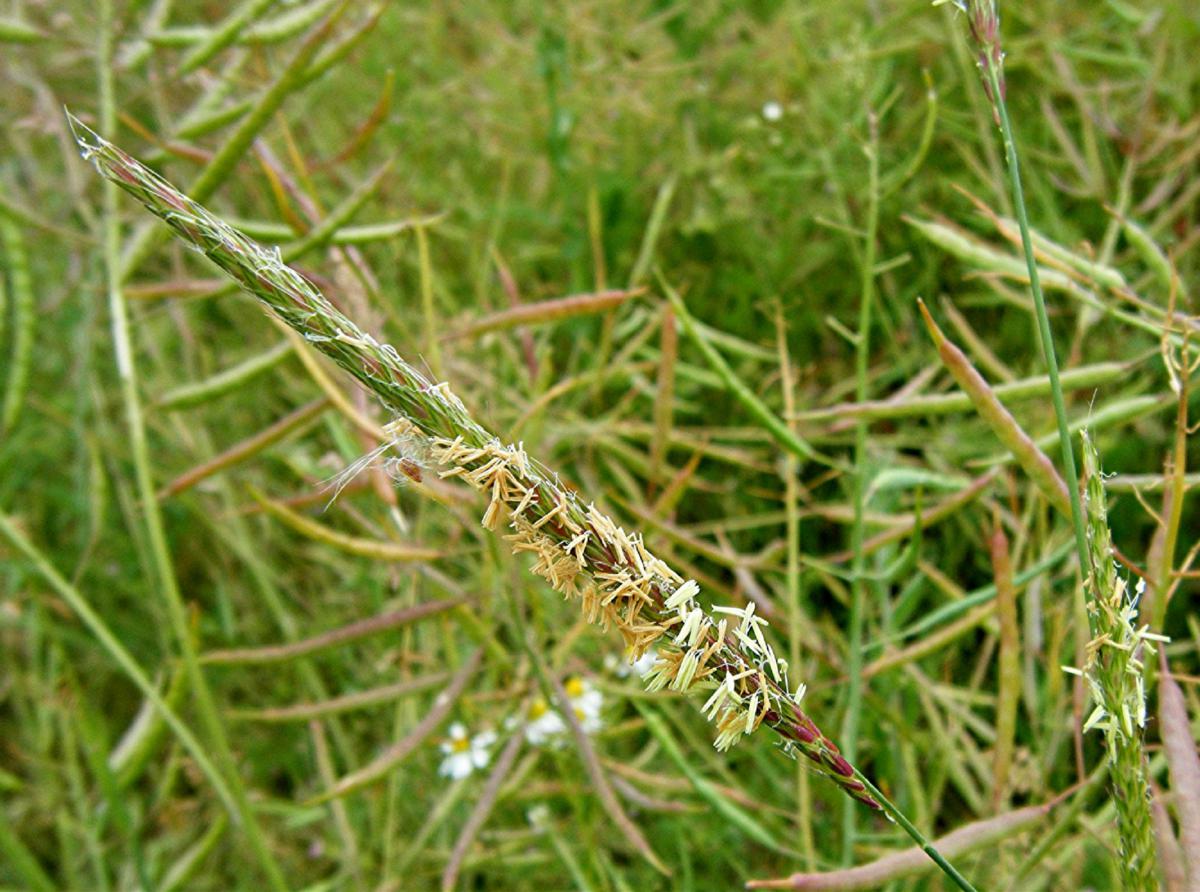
x=17 y=263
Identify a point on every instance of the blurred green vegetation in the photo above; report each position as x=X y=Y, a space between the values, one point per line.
x=537 y=140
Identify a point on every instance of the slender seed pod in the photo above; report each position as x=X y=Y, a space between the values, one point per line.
x=1035 y=462
x=225 y=381
x=17 y=261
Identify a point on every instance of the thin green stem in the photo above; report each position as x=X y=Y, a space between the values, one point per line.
x=795 y=578
x=164 y=569
x=1174 y=516
x=1110 y=673
x=854 y=665
x=992 y=73
x=427 y=308
x=914 y=834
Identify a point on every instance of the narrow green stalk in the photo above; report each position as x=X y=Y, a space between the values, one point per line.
x=862 y=358
x=916 y=835
x=1008 y=665
x=226 y=380
x=658 y=216
x=992 y=63
x=795 y=578
x=164 y=569
x=22 y=862
x=188 y=864
x=935 y=405
x=224 y=34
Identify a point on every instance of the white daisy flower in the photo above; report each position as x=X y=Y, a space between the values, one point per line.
x=546 y=725
x=586 y=701
x=645 y=663
x=464 y=754
x=772 y=111
x=623 y=667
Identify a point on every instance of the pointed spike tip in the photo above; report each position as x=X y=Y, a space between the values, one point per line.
x=930 y=325
x=88 y=140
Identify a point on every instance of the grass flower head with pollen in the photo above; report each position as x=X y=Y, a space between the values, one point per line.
x=723 y=654
x=1115 y=671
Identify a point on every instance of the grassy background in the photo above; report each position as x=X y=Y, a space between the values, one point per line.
x=544 y=136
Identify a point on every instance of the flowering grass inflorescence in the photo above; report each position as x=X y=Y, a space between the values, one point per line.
x=1115 y=675
x=577 y=548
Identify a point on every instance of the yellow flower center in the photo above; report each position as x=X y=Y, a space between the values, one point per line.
x=574 y=687
x=538 y=709
x=460 y=744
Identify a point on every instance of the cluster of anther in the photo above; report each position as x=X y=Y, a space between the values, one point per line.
x=583 y=553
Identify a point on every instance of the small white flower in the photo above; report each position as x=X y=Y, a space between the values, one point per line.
x=464 y=754
x=725 y=691
x=644 y=664
x=623 y=667
x=538 y=816
x=772 y=111
x=546 y=725
x=691 y=627
x=586 y=701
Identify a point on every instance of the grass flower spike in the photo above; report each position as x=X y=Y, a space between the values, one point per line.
x=580 y=551
x=983 y=20
x=1115 y=675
